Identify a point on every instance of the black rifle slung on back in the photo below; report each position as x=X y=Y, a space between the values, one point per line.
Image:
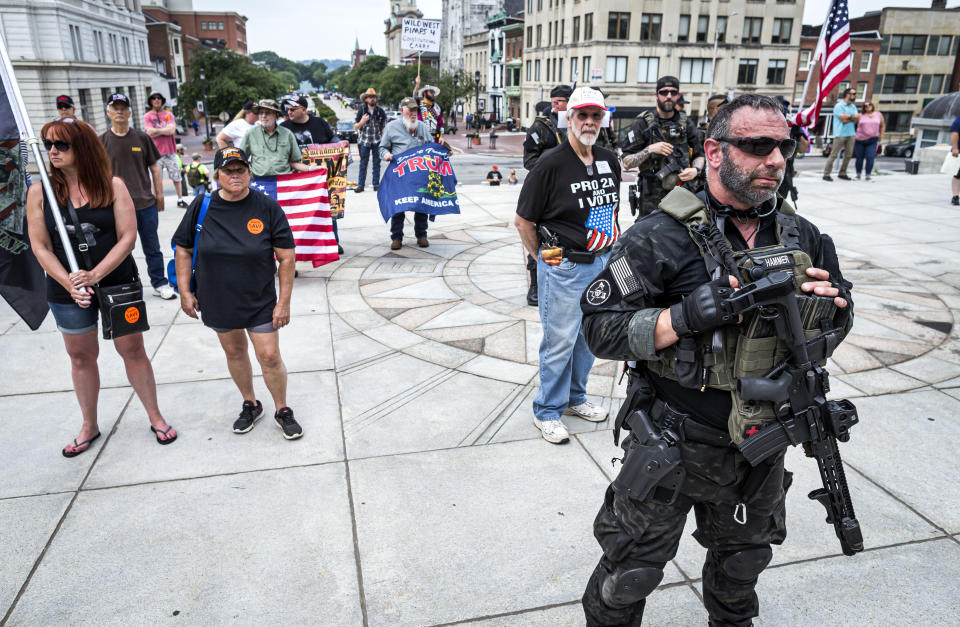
x=797 y=388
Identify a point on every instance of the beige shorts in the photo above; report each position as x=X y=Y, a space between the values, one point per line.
x=169 y=163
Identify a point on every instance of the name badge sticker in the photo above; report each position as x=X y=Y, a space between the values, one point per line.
x=603 y=167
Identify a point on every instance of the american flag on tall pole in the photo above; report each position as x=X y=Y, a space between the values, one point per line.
x=304 y=198
x=833 y=53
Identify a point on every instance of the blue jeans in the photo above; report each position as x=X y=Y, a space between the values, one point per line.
x=199 y=190
x=419 y=225
x=565 y=359
x=147 y=222
x=365 y=152
x=865 y=148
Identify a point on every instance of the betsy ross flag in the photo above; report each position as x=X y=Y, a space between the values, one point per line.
x=603 y=229
x=304 y=198
x=833 y=53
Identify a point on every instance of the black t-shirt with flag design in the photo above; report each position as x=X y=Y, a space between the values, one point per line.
x=577 y=203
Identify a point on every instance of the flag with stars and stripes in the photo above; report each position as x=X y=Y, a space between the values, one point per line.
x=833 y=53
x=305 y=200
x=602 y=227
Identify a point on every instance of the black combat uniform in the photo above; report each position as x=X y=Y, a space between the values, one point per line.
x=787 y=188
x=650 y=128
x=739 y=509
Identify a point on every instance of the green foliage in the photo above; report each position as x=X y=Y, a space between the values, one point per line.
x=232 y=79
x=289 y=80
x=325 y=112
x=394 y=83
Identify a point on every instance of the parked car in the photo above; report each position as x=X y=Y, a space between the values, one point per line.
x=392 y=115
x=901 y=149
x=345 y=131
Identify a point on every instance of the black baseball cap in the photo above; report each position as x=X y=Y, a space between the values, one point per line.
x=561 y=91
x=64 y=101
x=121 y=98
x=681 y=100
x=668 y=81
x=229 y=155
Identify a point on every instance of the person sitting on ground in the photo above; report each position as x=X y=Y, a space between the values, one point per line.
x=494 y=177
x=80 y=174
x=242 y=232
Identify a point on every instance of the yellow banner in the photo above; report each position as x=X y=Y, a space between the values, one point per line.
x=334 y=158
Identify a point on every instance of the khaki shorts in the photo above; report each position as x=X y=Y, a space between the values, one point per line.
x=169 y=163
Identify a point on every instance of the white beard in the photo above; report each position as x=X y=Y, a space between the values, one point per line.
x=583 y=138
x=409 y=124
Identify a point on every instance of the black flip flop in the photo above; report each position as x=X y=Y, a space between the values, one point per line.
x=77 y=445
x=164 y=432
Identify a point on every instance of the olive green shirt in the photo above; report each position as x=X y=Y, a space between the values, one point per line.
x=270 y=154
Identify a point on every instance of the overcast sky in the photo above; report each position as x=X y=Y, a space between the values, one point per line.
x=329 y=33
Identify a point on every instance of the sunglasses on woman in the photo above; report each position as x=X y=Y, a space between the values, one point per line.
x=762 y=146
x=59 y=144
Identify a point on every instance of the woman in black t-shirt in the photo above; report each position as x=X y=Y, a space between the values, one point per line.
x=235 y=293
x=80 y=173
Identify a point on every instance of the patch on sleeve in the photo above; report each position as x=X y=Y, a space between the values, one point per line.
x=598 y=293
x=627 y=282
x=535 y=137
x=631 y=137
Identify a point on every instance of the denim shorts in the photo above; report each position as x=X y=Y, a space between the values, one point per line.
x=72 y=319
x=266 y=327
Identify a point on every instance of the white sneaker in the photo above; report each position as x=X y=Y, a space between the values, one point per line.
x=588 y=411
x=165 y=292
x=552 y=430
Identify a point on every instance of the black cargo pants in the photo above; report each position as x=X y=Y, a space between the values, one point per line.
x=636 y=534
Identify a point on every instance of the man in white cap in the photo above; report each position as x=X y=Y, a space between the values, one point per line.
x=567 y=219
x=428 y=111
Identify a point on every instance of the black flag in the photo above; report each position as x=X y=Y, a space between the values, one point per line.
x=21 y=277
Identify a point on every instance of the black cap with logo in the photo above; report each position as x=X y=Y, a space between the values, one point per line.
x=229 y=155
x=118 y=98
x=561 y=91
x=64 y=101
x=668 y=81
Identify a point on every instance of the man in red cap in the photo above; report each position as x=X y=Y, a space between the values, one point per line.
x=65 y=108
x=567 y=219
x=493 y=176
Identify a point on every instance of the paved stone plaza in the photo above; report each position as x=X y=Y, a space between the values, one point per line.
x=422 y=494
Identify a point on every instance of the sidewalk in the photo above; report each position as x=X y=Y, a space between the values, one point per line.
x=421 y=493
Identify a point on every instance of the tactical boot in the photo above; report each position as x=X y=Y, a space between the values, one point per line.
x=955 y=200
x=532 y=292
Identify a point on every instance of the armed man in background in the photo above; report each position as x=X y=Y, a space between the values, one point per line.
x=664 y=146
x=787 y=187
x=661 y=305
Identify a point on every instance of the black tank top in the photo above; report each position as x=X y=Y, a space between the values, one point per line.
x=101 y=223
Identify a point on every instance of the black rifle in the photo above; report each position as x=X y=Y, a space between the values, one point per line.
x=797 y=388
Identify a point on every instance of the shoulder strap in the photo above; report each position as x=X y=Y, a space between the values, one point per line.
x=683 y=206
x=788 y=232
x=647 y=116
x=88 y=241
x=200 y=216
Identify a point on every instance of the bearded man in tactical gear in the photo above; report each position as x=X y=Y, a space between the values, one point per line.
x=657 y=306
x=664 y=146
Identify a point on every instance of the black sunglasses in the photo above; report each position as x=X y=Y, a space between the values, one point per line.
x=668 y=92
x=64 y=105
x=762 y=146
x=59 y=144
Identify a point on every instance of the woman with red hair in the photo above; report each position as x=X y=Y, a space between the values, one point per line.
x=80 y=174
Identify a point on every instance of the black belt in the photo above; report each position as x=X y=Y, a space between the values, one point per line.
x=686 y=427
x=583 y=256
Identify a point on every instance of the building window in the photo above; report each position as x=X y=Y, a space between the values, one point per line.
x=576 y=28
x=76 y=43
x=721 y=33
x=536 y=70
x=945 y=45
x=616 y=70
x=776 y=72
x=559 y=69
x=573 y=69
x=529 y=36
x=588 y=27
x=877 y=85
x=747 y=72
x=650 y=26
x=550 y=33
x=220 y=25
x=931 y=83
x=782 y=28
x=648 y=69
x=703 y=25
x=179 y=73
x=539 y=35
x=898 y=121
x=618 y=26
x=798 y=92
x=696 y=71
x=586 y=69
x=934 y=44
x=861 y=91
x=176 y=46
x=908 y=44
x=842 y=87
x=203 y=26
x=683 y=30
x=751 y=30
x=937 y=83
x=563 y=29
x=143 y=52
x=901 y=83
x=529 y=7
x=529 y=70
x=805 y=58
x=866 y=58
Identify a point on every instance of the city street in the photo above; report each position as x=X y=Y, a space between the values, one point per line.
x=421 y=493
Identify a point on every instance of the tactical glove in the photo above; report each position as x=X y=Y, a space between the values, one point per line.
x=701 y=310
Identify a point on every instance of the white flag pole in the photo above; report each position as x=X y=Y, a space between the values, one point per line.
x=26 y=135
x=821 y=46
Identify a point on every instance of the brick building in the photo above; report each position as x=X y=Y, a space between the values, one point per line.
x=865 y=47
x=200 y=29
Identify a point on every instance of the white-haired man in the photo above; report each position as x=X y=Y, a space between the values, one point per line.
x=567 y=219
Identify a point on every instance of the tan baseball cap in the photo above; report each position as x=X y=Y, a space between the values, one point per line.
x=409 y=103
x=585 y=97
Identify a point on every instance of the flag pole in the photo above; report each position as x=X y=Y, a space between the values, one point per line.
x=821 y=45
x=26 y=135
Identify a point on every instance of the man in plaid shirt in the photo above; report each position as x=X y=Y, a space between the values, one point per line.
x=369 y=122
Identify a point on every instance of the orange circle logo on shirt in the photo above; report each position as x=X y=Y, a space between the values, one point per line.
x=255 y=226
x=131 y=315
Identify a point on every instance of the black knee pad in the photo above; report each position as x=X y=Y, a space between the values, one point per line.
x=626 y=587
x=747 y=564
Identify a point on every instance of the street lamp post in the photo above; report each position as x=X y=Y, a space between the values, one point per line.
x=203 y=88
x=476 y=102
